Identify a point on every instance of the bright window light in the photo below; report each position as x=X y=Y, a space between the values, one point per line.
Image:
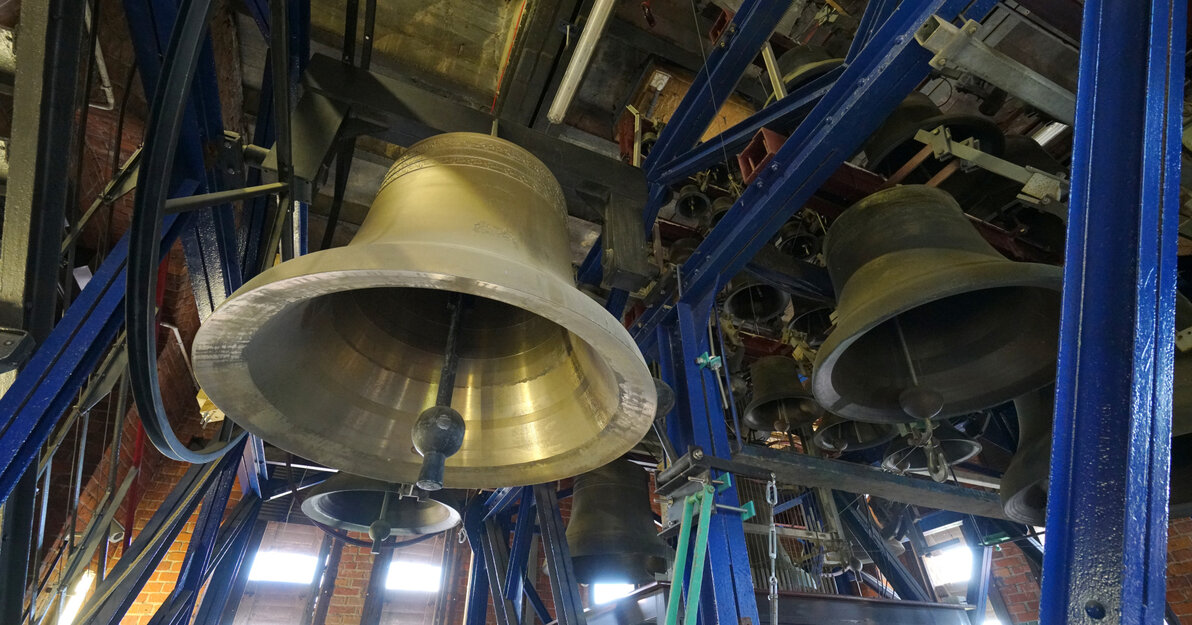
x=282 y=566
x=992 y=621
x=413 y=576
x=604 y=593
x=74 y=600
x=950 y=566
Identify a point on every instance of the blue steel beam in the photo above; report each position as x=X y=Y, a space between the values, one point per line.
x=117 y=592
x=869 y=88
x=741 y=42
x=1107 y=499
x=519 y=553
x=700 y=422
x=476 y=608
x=856 y=516
x=48 y=384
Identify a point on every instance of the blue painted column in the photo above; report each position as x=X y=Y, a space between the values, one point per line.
x=1107 y=511
x=699 y=419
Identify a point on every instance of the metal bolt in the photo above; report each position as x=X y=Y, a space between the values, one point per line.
x=1094 y=609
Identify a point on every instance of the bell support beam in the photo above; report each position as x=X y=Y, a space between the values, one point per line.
x=1107 y=499
x=569 y=610
x=855 y=514
x=698 y=421
x=868 y=89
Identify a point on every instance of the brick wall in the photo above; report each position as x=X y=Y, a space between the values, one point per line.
x=1179 y=567
x=1014 y=579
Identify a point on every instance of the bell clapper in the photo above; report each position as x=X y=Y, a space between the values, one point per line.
x=439 y=430
x=917 y=401
x=379 y=530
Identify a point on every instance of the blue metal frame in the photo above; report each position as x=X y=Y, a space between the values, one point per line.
x=1107 y=499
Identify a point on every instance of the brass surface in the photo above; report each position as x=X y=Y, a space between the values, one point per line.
x=333 y=355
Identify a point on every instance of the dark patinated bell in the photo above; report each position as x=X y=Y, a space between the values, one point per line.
x=894 y=144
x=354 y=503
x=752 y=301
x=927 y=309
x=903 y=455
x=611 y=533
x=779 y=402
x=1024 y=484
x=836 y=434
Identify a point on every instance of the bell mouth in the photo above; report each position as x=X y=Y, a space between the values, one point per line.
x=979 y=333
x=846 y=435
x=955 y=451
x=756 y=302
x=794 y=410
x=355 y=510
x=333 y=356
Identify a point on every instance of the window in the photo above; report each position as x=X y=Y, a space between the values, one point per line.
x=413 y=576
x=950 y=566
x=604 y=593
x=282 y=566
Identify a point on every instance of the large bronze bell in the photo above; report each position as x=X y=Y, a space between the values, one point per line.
x=931 y=321
x=355 y=503
x=903 y=454
x=840 y=435
x=611 y=532
x=333 y=355
x=779 y=401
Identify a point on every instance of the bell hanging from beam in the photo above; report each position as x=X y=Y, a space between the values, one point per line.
x=1024 y=484
x=931 y=452
x=779 y=401
x=358 y=504
x=334 y=355
x=611 y=533
x=932 y=322
x=752 y=301
x=892 y=146
x=839 y=435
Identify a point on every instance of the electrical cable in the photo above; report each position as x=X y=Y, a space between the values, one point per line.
x=157 y=164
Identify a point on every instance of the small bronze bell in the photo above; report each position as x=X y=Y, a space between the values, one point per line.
x=779 y=401
x=693 y=203
x=354 y=503
x=836 y=435
x=931 y=321
x=913 y=453
x=752 y=301
x=611 y=532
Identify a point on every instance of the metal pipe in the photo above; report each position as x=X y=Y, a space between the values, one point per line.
x=597 y=22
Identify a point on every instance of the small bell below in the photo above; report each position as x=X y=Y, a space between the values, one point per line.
x=779 y=401
x=931 y=452
x=611 y=532
x=359 y=504
x=838 y=435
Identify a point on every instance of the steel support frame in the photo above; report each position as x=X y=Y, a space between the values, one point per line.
x=886 y=69
x=1107 y=499
x=701 y=415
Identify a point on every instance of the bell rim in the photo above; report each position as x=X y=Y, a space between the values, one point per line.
x=972 y=448
x=996 y=273
x=440 y=498
x=818 y=436
x=220 y=341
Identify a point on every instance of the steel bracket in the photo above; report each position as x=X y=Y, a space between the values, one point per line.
x=959 y=48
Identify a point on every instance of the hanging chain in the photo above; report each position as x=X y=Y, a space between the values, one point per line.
x=772 y=499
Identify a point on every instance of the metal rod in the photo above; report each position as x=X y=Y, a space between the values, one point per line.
x=776 y=82
x=451 y=351
x=195 y=202
x=574 y=74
